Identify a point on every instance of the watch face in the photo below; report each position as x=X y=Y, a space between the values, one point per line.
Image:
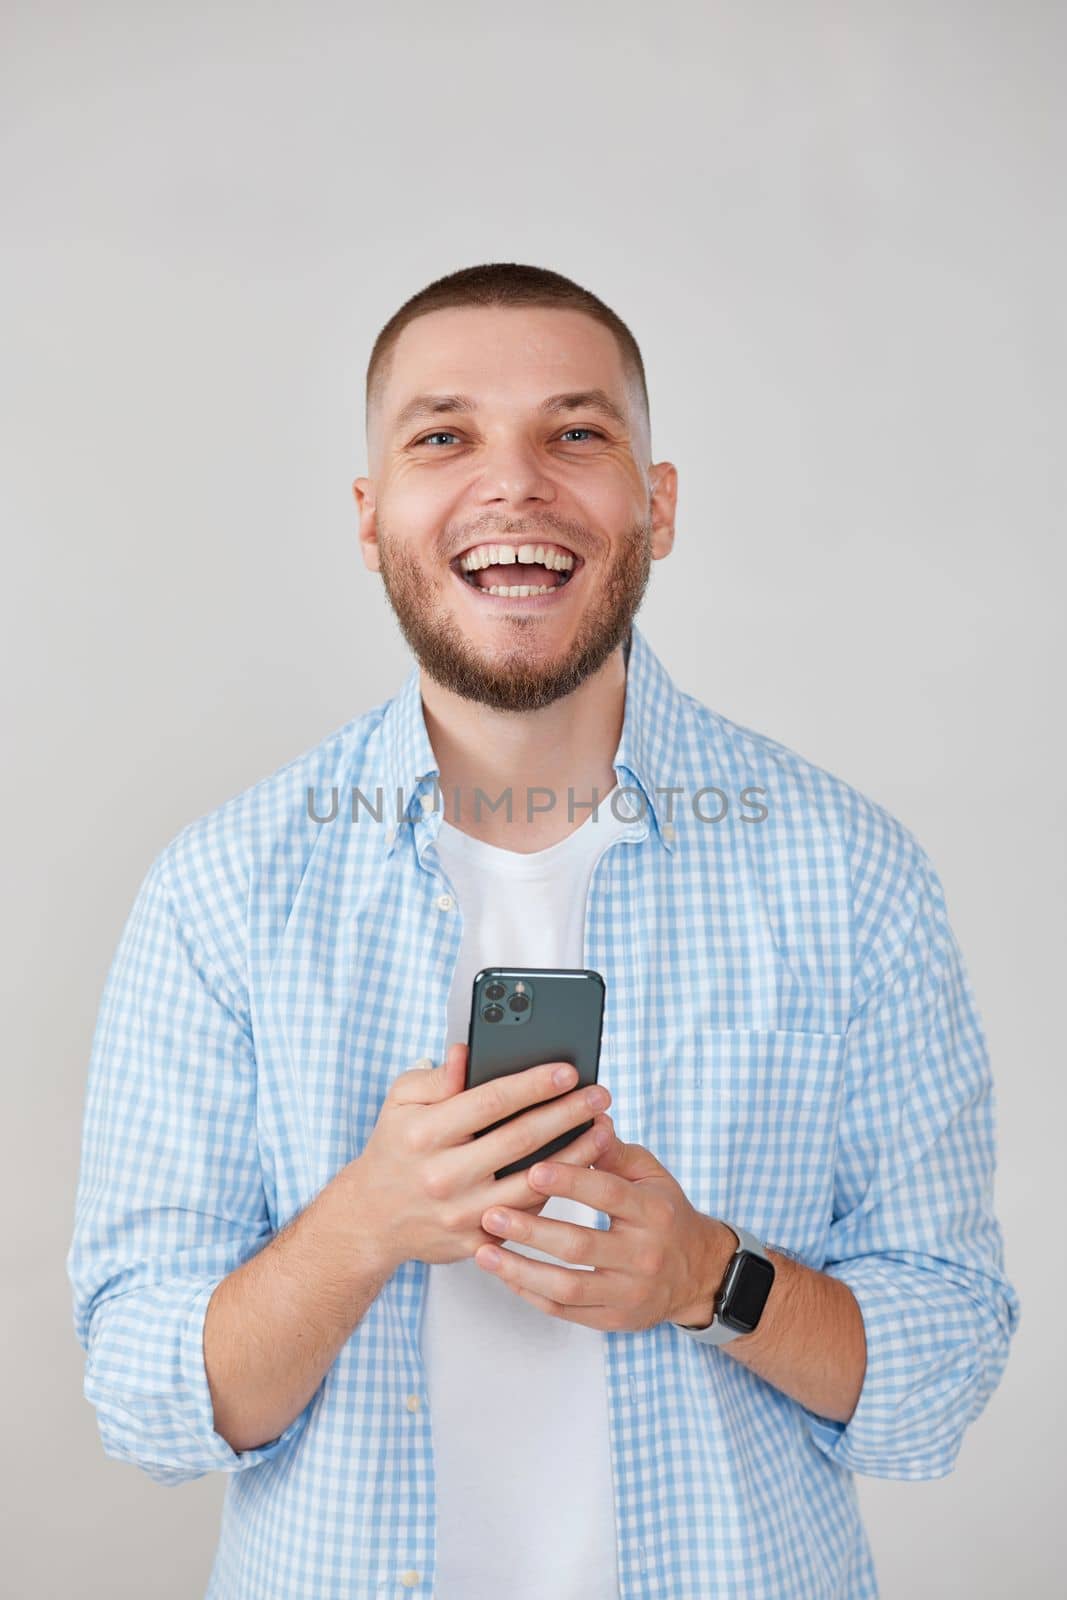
x=746 y=1291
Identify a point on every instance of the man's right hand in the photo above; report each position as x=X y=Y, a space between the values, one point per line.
x=424 y=1180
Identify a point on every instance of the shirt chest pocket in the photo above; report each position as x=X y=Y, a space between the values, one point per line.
x=747 y=1121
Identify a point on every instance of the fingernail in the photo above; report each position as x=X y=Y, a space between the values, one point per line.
x=563 y=1076
x=424 y=1063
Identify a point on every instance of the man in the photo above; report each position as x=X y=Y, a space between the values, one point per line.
x=781 y=1264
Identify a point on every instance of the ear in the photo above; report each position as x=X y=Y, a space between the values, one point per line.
x=363 y=493
x=663 y=477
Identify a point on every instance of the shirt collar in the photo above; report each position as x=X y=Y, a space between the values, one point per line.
x=644 y=758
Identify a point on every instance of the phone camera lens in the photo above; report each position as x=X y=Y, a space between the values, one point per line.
x=493 y=1013
x=519 y=1002
x=495 y=991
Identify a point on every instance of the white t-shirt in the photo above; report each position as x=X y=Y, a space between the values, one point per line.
x=518 y=1399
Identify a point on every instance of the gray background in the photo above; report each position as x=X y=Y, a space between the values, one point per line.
x=837 y=233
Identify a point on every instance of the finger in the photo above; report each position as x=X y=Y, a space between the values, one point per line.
x=564 y=1288
x=486 y=1104
x=535 y=1128
x=424 y=1084
x=583 y=1151
x=515 y=1189
x=573 y=1243
x=604 y=1191
x=605 y=1318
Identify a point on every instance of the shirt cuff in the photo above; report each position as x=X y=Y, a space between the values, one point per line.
x=202 y=1409
x=905 y=1424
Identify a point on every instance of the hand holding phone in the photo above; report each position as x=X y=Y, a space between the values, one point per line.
x=425 y=1177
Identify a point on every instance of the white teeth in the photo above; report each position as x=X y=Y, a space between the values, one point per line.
x=517 y=590
x=490 y=555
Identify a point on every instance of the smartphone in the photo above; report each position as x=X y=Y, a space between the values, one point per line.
x=524 y=1016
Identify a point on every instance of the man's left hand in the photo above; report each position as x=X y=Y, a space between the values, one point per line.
x=660 y=1260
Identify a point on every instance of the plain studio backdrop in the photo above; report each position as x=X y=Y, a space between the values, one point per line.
x=837 y=232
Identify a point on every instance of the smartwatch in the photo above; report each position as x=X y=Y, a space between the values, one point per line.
x=739 y=1303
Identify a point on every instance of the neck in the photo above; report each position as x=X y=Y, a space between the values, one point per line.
x=566 y=748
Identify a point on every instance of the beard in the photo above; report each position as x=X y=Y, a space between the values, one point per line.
x=513 y=678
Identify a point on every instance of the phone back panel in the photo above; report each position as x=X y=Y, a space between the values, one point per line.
x=565 y=1021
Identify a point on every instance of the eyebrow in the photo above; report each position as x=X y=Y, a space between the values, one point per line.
x=436 y=405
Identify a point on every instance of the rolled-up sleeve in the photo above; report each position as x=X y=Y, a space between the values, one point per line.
x=914 y=1234
x=170 y=1195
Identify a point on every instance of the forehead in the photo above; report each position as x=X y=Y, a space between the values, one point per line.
x=503 y=355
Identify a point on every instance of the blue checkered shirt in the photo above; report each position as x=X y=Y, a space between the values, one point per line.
x=789 y=1028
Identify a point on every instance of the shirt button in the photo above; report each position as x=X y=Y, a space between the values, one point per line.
x=426 y=802
x=413 y=1402
x=390 y=836
x=668 y=832
x=409 y=1579
x=444 y=902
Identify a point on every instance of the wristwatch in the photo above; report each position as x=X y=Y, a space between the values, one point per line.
x=739 y=1303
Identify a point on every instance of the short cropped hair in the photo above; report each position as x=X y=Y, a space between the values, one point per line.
x=501 y=283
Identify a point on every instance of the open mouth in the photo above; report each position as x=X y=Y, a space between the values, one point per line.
x=526 y=571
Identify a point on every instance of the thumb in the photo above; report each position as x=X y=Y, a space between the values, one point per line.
x=630 y=1161
x=425 y=1084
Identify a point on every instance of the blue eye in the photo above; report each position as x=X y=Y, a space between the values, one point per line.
x=442 y=433
x=446 y=433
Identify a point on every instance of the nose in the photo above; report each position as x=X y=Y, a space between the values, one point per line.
x=513 y=473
